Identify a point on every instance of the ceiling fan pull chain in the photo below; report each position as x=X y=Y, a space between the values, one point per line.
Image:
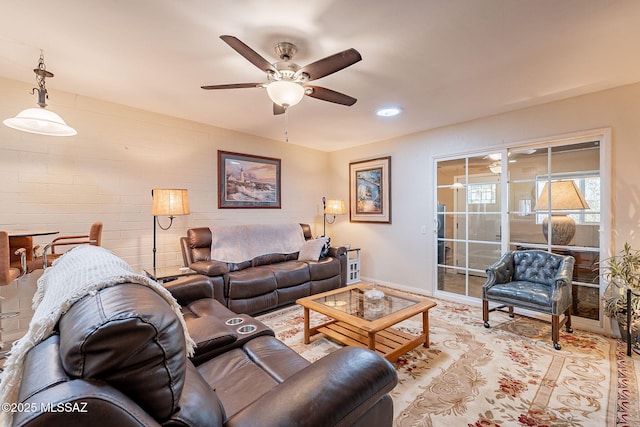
x=286 y=125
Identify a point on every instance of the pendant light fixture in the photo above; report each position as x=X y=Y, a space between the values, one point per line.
x=40 y=120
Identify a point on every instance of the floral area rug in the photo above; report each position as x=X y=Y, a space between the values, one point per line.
x=507 y=375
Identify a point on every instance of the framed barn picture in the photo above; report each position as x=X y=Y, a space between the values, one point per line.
x=246 y=181
x=370 y=190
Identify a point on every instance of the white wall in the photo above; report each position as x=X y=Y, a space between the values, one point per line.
x=107 y=171
x=399 y=254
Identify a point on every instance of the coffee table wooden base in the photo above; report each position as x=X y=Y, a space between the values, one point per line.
x=390 y=343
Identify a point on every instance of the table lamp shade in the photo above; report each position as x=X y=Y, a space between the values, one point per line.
x=170 y=202
x=565 y=196
x=335 y=207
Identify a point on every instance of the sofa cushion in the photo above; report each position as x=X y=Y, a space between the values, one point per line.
x=237 y=266
x=268 y=259
x=311 y=250
x=236 y=379
x=290 y=273
x=110 y=334
x=525 y=294
x=273 y=356
x=200 y=243
x=251 y=282
x=324 y=269
x=536 y=266
x=327 y=246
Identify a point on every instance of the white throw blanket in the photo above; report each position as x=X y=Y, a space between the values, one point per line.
x=81 y=271
x=238 y=243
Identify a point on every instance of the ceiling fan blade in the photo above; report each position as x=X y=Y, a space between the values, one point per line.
x=331 y=64
x=232 y=86
x=277 y=109
x=249 y=54
x=330 y=95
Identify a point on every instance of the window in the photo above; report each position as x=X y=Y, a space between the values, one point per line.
x=481 y=194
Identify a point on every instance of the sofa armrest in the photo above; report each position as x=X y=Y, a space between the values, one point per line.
x=564 y=275
x=501 y=271
x=209 y=333
x=335 y=390
x=210 y=268
x=337 y=252
x=190 y=288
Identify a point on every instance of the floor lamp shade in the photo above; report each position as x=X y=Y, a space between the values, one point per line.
x=170 y=202
x=331 y=207
x=335 y=207
x=562 y=196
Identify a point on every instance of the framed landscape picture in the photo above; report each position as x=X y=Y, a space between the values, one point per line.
x=370 y=190
x=246 y=181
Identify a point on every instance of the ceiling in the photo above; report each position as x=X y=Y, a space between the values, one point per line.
x=442 y=61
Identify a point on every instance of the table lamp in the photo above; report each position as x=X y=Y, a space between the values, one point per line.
x=169 y=202
x=562 y=196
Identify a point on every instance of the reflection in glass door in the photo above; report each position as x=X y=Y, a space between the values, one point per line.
x=469 y=219
x=477 y=221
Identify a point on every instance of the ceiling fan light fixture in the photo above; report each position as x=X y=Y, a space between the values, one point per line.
x=285 y=93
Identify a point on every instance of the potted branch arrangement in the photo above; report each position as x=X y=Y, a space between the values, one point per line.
x=622 y=271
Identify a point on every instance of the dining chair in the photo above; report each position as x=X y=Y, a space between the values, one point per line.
x=9 y=274
x=93 y=238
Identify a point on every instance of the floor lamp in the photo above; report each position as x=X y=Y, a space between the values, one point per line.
x=169 y=202
x=331 y=207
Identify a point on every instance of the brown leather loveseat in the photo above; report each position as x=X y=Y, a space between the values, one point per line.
x=267 y=281
x=119 y=358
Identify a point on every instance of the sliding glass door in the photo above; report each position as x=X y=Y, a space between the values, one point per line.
x=540 y=196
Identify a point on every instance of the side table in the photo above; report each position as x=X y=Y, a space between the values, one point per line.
x=353 y=266
x=167 y=274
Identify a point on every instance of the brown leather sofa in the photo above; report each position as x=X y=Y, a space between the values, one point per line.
x=265 y=282
x=119 y=358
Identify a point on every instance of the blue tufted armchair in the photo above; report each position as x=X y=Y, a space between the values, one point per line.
x=534 y=280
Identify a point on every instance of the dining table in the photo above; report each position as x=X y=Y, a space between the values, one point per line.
x=24 y=239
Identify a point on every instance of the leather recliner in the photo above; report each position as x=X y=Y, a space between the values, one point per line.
x=119 y=358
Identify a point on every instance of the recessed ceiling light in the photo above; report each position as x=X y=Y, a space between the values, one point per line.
x=388 y=111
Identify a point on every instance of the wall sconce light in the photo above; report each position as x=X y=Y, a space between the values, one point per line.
x=167 y=202
x=562 y=196
x=331 y=207
x=40 y=120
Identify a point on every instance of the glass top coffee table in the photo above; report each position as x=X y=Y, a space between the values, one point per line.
x=367 y=322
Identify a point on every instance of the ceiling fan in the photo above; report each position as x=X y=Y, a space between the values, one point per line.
x=286 y=81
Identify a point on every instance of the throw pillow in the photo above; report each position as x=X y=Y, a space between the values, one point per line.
x=311 y=249
x=325 y=249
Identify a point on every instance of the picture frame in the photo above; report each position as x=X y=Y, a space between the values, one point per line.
x=246 y=181
x=370 y=190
